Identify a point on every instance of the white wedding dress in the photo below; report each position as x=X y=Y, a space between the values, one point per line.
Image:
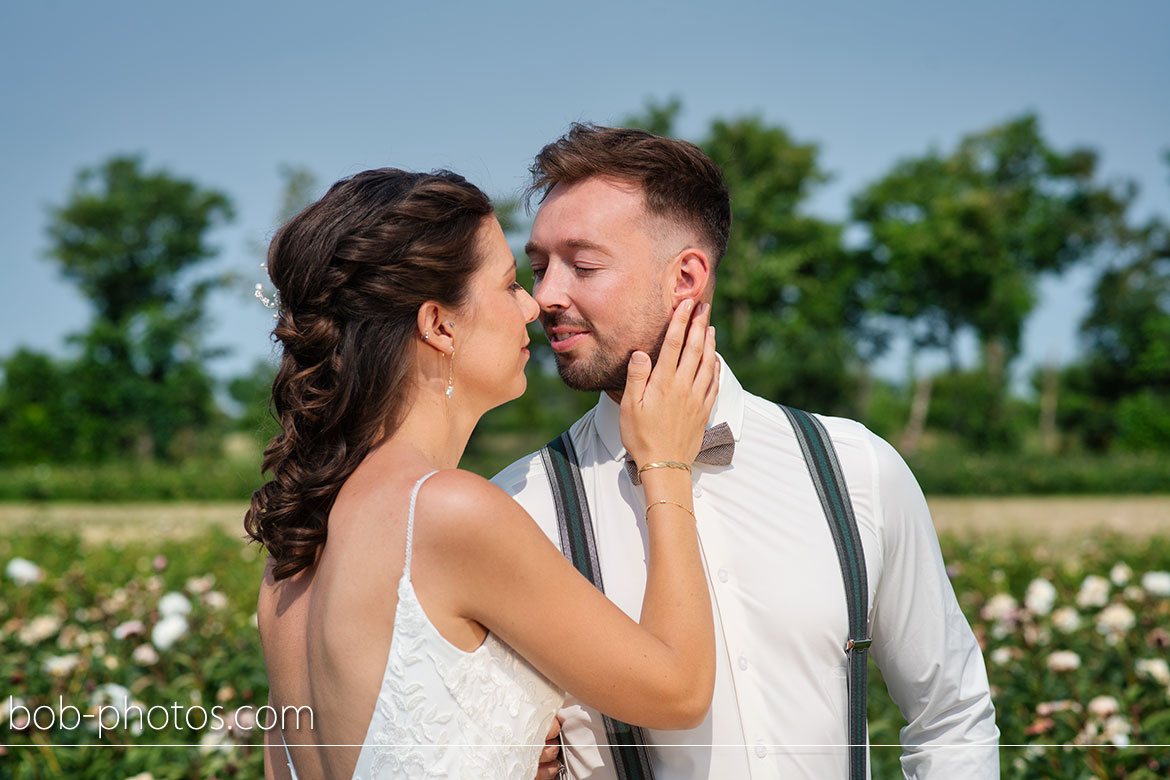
x=443 y=712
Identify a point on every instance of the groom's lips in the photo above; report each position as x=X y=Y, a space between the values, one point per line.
x=564 y=339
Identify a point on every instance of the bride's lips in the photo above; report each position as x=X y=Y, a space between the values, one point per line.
x=564 y=339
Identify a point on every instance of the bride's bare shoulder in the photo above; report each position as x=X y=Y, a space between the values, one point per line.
x=457 y=490
x=459 y=501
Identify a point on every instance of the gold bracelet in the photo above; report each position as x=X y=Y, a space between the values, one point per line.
x=668 y=501
x=665 y=464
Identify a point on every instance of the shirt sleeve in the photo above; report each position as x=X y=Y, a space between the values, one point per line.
x=928 y=655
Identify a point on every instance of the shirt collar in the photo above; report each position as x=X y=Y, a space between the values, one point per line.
x=728 y=409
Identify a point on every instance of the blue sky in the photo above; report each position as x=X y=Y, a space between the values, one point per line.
x=225 y=93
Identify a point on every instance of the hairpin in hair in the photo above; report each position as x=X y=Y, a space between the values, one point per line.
x=269 y=303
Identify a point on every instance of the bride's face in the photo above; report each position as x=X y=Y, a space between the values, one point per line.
x=492 y=337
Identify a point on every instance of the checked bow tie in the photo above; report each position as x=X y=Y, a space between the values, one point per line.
x=718 y=447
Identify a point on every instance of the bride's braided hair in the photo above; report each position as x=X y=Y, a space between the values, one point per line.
x=352 y=270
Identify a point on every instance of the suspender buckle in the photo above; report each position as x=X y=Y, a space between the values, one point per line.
x=860 y=645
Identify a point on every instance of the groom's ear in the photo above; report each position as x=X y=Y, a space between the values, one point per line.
x=691 y=276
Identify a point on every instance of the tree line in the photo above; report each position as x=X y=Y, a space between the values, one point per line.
x=946 y=244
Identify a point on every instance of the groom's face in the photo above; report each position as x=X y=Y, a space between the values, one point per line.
x=601 y=280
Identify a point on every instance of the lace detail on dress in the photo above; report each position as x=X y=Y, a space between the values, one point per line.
x=445 y=713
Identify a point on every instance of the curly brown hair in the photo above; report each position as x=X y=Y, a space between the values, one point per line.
x=352 y=271
x=677 y=179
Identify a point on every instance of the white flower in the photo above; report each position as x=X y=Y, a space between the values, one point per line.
x=1046 y=708
x=241 y=722
x=1116 y=731
x=39 y=629
x=1066 y=619
x=61 y=665
x=1036 y=635
x=1115 y=620
x=1040 y=597
x=216 y=739
x=1064 y=661
x=1157 y=669
x=9 y=703
x=1120 y=573
x=111 y=694
x=1101 y=707
x=1001 y=655
x=129 y=628
x=144 y=655
x=174 y=603
x=215 y=599
x=142 y=776
x=200 y=585
x=1094 y=592
x=1001 y=608
x=1134 y=593
x=1157 y=582
x=23 y=571
x=168 y=631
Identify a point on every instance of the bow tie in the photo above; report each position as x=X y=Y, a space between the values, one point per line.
x=718 y=447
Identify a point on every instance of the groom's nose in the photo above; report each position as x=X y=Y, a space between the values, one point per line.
x=552 y=290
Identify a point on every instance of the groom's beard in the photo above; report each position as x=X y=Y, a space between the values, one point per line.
x=605 y=369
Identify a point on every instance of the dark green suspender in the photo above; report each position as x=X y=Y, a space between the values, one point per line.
x=631 y=758
x=628 y=743
x=830 y=483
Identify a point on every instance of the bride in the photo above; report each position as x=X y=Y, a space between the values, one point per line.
x=415 y=608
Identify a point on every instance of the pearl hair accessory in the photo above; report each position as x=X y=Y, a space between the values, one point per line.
x=269 y=303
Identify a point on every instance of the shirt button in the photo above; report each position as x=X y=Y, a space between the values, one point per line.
x=723 y=575
x=697 y=491
x=761 y=751
x=743 y=663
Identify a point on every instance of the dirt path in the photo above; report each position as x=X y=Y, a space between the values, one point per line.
x=1051 y=517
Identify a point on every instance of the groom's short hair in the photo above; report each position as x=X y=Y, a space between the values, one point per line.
x=678 y=181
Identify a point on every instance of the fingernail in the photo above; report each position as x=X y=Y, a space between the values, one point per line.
x=640 y=358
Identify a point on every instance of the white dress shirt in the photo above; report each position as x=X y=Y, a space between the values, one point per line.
x=779 y=603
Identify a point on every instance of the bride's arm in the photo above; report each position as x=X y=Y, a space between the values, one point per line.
x=658 y=672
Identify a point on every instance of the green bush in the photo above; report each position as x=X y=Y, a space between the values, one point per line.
x=964 y=474
x=1143 y=421
x=199 y=479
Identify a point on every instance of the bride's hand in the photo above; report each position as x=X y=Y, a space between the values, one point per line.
x=665 y=411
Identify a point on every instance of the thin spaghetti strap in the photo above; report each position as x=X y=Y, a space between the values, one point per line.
x=291 y=769
x=410 y=522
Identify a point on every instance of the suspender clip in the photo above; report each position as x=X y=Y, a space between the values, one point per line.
x=860 y=645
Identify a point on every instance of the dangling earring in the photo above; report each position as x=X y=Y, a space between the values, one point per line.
x=426 y=333
x=451 y=375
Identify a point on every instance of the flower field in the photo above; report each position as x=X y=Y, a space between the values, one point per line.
x=100 y=642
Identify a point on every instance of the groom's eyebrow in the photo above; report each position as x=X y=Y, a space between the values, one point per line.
x=582 y=243
x=532 y=248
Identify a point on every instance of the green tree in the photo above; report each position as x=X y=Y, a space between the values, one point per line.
x=132 y=239
x=788 y=304
x=959 y=242
x=1119 y=393
x=39 y=418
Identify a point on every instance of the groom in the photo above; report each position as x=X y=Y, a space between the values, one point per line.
x=629 y=226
